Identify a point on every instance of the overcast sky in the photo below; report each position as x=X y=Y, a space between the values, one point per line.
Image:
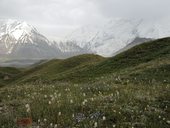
x=55 y=18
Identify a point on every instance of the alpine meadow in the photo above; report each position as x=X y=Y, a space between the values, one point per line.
x=93 y=69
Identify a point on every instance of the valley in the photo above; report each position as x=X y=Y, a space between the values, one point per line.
x=131 y=89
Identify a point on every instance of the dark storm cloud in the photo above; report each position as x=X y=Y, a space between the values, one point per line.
x=57 y=17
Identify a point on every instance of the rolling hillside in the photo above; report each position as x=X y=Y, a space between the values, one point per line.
x=8 y=75
x=138 y=62
x=56 y=68
x=128 y=90
x=135 y=64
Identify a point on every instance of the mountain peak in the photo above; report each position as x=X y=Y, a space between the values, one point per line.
x=15 y=28
x=111 y=36
x=20 y=40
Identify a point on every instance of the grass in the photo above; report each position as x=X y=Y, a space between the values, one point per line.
x=85 y=68
x=141 y=54
x=7 y=75
x=82 y=105
x=55 y=68
x=131 y=89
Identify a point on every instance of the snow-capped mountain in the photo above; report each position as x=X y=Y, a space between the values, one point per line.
x=70 y=49
x=109 y=38
x=21 y=40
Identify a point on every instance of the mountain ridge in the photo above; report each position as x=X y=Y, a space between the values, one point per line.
x=19 y=40
x=133 y=63
x=108 y=38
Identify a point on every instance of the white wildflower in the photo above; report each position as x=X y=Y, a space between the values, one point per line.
x=83 y=103
x=95 y=125
x=27 y=105
x=45 y=96
x=59 y=114
x=71 y=101
x=45 y=120
x=51 y=124
x=49 y=102
x=55 y=126
x=92 y=99
x=104 y=118
x=73 y=115
x=28 y=108
x=39 y=120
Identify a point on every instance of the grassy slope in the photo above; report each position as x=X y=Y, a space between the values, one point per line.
x=138 y=62
x=124 y=104
x=142 y=60
x=55 y=68
x=10 y=72
x=155 y=54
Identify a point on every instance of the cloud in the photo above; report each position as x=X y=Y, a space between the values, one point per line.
x=133 y=8
x=57 y=17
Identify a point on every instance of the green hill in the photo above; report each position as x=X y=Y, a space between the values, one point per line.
x=7 y=75
x=146 y=62
x=147 y=57
x=128 y=90
x=56 y=68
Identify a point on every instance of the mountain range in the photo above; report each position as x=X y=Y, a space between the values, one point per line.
x=147 y=62
x=110 y=37
x=130 y=89
x=19 y=40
